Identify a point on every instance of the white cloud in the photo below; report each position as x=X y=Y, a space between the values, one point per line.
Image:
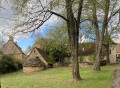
x=116 y=38
x=83 y=39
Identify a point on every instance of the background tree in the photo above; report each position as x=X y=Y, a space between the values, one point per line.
x=38 y=12
x=102 y=12
x=55 y=43
x=29 y=49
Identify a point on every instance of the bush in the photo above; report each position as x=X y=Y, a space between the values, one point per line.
x=103 y=63
x=81 y=59
x=19 y=62
x=8 y=64
x=91 y=57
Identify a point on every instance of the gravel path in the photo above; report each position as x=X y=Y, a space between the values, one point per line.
x=116 y=83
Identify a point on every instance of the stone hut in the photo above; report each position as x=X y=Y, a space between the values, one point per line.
x=11 y=48
x=33 y=64
x=40 y=60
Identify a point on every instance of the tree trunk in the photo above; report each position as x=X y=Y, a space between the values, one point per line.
x=97 y=59
x=74 y=51
x=100 y=41
x=73 y=32
x=74 y=57
x=107 y=54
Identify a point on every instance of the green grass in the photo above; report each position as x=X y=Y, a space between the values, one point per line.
x=59 y=78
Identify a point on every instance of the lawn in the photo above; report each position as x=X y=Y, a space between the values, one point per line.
x=59 y=78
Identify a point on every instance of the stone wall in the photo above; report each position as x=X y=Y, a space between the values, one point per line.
x=11 y=49
x=86 y=59
x=32 y=69
x=113 y=54
x=36 y=53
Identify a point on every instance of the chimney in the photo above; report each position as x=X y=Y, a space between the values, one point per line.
x=11 y=38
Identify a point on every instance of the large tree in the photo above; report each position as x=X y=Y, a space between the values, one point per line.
x=55 y=42
x=37 y=12
x=105 y=9
x=99 y=15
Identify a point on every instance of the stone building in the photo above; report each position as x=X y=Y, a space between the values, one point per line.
x=112 y=53
x=33 y=64
x=87 y=50
x=11 y=48
x=37 y=60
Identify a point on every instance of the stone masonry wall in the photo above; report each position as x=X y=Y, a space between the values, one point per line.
x=36 y=53
x=32 y=69
x=11 y=48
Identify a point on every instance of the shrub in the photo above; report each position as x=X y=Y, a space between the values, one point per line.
x=81 y=59
x=102 y=57
x=19 y=62
x=91 y=57
x=8 y=64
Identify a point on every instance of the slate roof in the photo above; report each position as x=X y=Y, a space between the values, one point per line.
x=44 y=55
x=33 y=62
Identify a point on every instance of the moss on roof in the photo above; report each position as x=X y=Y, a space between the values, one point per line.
x=45 y=56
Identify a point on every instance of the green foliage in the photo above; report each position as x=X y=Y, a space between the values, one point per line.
x=56 y=44
x=18 y=62
x=29 y=49
x=102 y=57
x=1 y=52
x=81 y=58
x=52 y=57
x=9 y=64
x=91 y=57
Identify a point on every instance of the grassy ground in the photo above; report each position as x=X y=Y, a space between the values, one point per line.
x=59 y=78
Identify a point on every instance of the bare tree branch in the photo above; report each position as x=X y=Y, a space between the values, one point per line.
x=113 y=14
x=58 y=15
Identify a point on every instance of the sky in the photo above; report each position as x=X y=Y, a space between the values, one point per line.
x=28 y=39
x=24 y=40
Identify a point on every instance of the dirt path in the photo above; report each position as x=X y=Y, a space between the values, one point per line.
x=116 y=83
